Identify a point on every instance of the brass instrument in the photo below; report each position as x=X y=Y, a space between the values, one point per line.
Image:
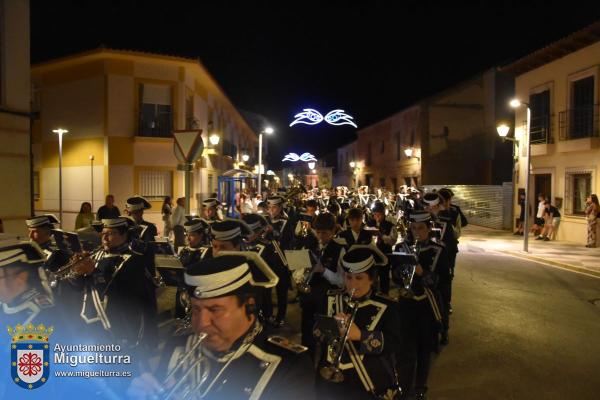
x=191 y=368
x=332 y=371
x=67 y=271
x=302 y=284
x=408 y=273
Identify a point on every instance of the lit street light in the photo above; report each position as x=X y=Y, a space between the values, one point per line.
x=268 y=130
x=60 y=132
x=245 y=157
x=214 y=139
x=352 y=164
x=503 y=130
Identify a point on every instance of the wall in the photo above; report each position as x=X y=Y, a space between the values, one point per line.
x=560 y=156
x=15 y=171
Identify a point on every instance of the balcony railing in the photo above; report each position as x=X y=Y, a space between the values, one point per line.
x=577 y=123
x=541 y=131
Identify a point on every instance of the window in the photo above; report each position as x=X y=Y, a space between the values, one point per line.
x=156 y=114
x=210 y=183
x=382 y=182
x=398 y=151
x=540 y=117
x=36 y=185
x=395 y=184
x=408 y=181
x=369 y=158
x=578 y=185
x=582 y=108
x=382 y=150
x=156 y=184
x=190 y=121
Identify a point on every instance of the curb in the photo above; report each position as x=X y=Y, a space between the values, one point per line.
x=569 y=267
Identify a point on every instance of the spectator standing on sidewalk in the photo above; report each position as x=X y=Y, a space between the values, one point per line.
x=108 y=210
x=551 y=222
x=177 y=222
x=166 y=216
x=520 y=228
x=538 y=223
x=591 y=212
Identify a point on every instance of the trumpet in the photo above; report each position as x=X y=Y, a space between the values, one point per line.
x=408 y=273
x=192 y=370
x=331 y=371
x=67 y=271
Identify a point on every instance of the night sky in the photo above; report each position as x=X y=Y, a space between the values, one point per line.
x=274 y=58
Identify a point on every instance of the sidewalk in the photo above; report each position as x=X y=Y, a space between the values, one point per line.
x=567 y=255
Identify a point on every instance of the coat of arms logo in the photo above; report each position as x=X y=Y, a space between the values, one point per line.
x=30 y=355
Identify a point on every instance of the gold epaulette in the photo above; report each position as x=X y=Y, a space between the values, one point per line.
x=385 y=296
x=285 y=343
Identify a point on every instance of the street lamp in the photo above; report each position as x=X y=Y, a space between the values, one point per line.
x=503 y=132
x=92 y=179
x=408 y=152
x=214 y=139
x=268 y=130
x=60 y=132
x=352 y=164
x=311 y=165
x=245 y=157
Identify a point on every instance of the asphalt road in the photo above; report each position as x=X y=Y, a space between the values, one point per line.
x=520 y=330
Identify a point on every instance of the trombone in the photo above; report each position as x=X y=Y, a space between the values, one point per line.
x=192 y=369
x=303 y=285
x=331 y=371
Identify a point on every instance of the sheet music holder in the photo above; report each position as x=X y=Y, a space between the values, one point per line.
x=67 y=241
x=298 y=259
x=402 y=258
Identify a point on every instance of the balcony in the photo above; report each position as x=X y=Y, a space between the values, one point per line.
x=540 y=129
x=578 y=129
x=578 y=123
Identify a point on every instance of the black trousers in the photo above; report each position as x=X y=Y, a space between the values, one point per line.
x=421 y=335
x=384 y=279
x=281 y=291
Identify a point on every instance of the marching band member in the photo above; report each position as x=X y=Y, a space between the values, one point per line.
x=448 y=240
x=453 y=214
x=355 y=233
x=197 y=232
x=367 y=360
x=40 y=232
x=270 y=251
x=420 y=304
x=280 y=229
x=25 y=295
x=197 y=236
x=135 y=208
x=327 y=274
x=118 y=295
x=239 y=358
x=386 y=238
x=210 y=210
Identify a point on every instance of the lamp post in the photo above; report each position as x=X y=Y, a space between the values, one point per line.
x=60 y=132
x=503 y=132
x=92 y=179
x=268 y=130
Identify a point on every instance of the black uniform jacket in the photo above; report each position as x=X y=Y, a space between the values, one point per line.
x=367 y=364
x=255 y=368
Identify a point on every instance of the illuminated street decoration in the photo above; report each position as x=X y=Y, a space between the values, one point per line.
x=310 y=116
x=306 y=157
x=339 y=117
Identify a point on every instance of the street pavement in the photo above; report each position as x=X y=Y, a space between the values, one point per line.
x=564 y=254
x=520 y=329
